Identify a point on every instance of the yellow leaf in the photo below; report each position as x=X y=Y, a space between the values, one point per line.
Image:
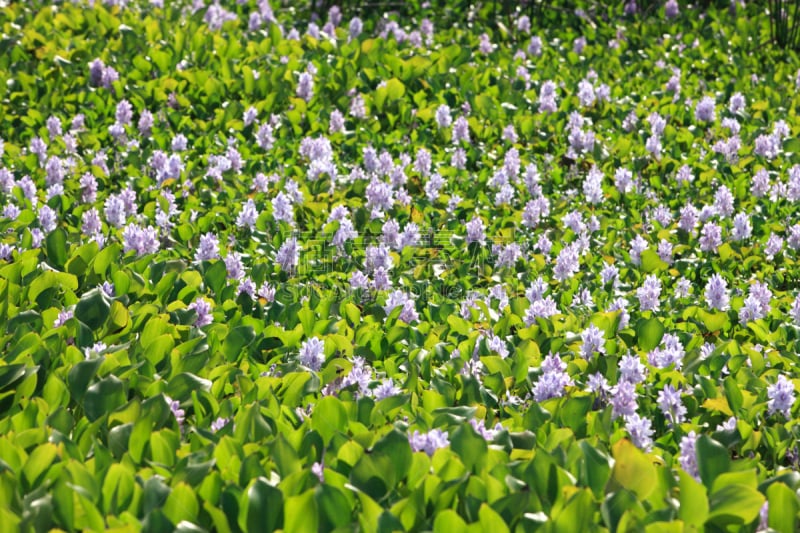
x=718 y=404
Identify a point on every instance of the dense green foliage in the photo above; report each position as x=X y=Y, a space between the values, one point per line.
x=125 y=405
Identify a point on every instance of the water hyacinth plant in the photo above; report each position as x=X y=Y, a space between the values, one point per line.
x=459 y=267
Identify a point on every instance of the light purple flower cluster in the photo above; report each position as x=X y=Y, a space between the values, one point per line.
x=312 y=353
x=670 y=352
x=203 y=310
x=428 y=442
x=669 y=401
x=757 y=303
x=142 y=240
x=716 y=293
x=593 y=341
x=553 y=381
x=641 y=431
x=399 y=298
x=781 y=396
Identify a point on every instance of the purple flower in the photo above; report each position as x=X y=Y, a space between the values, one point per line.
x=593 y=186
x=704 y=110
x=305 y=86
x=632 y=369
x=638 y=245
x=547 y=96
x=688 y=219
x=460 y=130
x=386 y=389
x=318 y=469
x=781 y=397
x=90 y=222
x=443 y=118
x=219 y=423
x=795 y=310
x=336 y=124
x=723 y=201
x=710 y=237
x=553 y=381
x=355 y=27
x=400 y=299
x=114 y=210
x=688 y=455
x=288 y=255
x=248 y=215
x=360 y=374
x=208 y=248
x=475 y=231
x=428 y=442
x=649 y=293
x=716 y=293
x=47 y=219
x=234 y=265
x=312 y=353
x=267 y=292
x=669 y=401
x=480 y=428
x=670 y=352
x=177 y=412
x=623 y=399
x=671 y=9
x=593 y=341
x=203 y=310
x=640 y=430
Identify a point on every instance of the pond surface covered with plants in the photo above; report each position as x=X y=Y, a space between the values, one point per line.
x=439 y=271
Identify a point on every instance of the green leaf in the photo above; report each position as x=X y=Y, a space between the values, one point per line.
x=264 y=506
x=490 y=520
x=119 y=438
x=713 y=321
x=181 y=504
x=353 y=313
x=734 y=395
x=81 y=375
x=306 y=317
x=56 y=247
x=577 y=513
x=783 y=507
x=470 y=446
x=694 y=501
x=181 y=386
x=329 y=417
x=395 y=89
x=10 y=374
x=597 y=468
x=632 y=470
x=394 y=445
x=51 y=280
x=649 y=333
x=38 y=464
x=237 y=339
x=118 y=489
x=216 y=276
x=159 y=348
x=103 y=397
x=301 y=513
x=459 y=325
x=651 y=262
x=119 y=316
x=105 y=258
x=734 y=504
x=712 y=459
x=93 y=309
x=448 y=521
x=333 y=506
